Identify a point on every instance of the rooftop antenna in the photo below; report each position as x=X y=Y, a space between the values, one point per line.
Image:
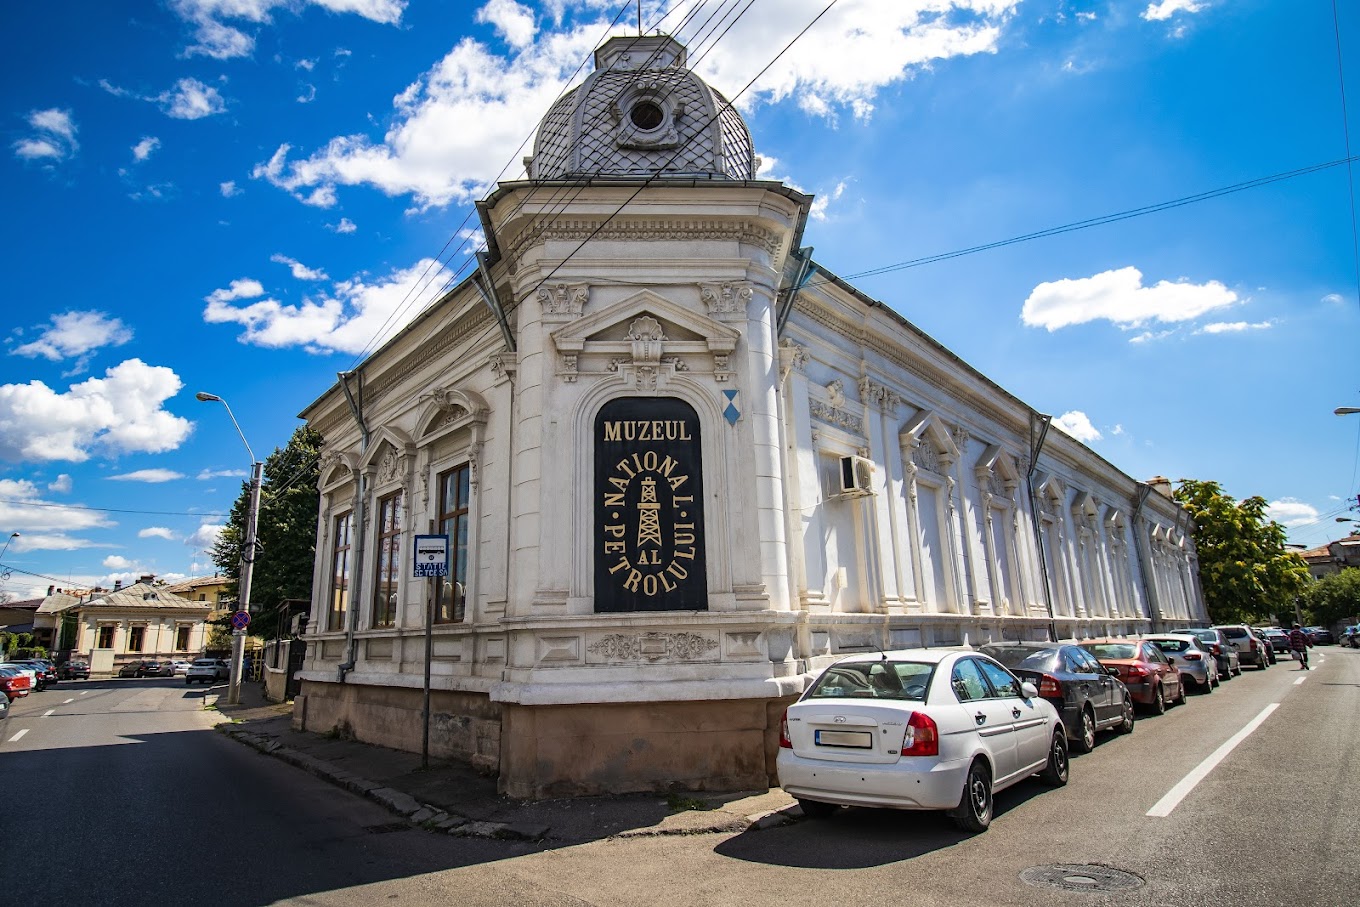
x=639 y=18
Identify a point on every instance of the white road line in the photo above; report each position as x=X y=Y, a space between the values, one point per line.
x=48 y=713
x=1178 y=793
x=1300 y=680
x=68 y=702
x=84 y=692
x=18 y=735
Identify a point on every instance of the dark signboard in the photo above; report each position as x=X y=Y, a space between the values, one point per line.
x=649 y=507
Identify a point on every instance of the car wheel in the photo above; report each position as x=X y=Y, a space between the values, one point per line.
x=1056 y=771
x=1238 y=670
x=1127 y=719
x=1263 y=663
x=1208 y=686
x=1086 y=737
x=816 y=809
x=1180 y=693
x=974 y=812
x=1158 y=701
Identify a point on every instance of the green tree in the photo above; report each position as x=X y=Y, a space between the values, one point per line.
x=1246 y=573
x=1333 y=599
x=286 y=532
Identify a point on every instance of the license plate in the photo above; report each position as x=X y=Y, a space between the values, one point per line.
x=860 y=739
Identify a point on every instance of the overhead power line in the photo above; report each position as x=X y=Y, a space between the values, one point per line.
x=193 y=513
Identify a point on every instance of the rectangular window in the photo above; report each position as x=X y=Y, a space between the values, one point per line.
x=454 y=491
x=341 y=539
x=181 y=639
x=389 y=561
x=105 y=638
x=135 y=638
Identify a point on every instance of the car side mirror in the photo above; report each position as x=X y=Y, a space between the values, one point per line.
x=1028 y=690
x=1112 y=670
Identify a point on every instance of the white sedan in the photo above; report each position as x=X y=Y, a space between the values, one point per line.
x=181 y=668
x=918 y=729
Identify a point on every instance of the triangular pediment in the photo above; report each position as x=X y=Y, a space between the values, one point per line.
x=621 y=322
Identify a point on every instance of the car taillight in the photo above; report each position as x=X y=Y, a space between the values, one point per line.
x=1136 y=671
x=1049 y=687
x=1253 y=645
x=784 y=740
x=922 y=737
x=1193 y=656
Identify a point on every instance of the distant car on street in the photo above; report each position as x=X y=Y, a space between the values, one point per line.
x=180 y=668
x=206 y=670
x=1152 y=680
x=1350 y=636
x=1190 y=656
x=74 y=670
x=1229 y=664
x=1320 y=636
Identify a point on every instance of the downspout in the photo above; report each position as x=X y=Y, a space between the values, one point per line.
x=1036 y=444
x=356 y=409
x=1144 y=556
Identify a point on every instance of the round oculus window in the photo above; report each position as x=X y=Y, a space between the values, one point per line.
x=646 y=115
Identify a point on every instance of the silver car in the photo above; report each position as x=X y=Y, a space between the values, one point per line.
x=1191 y=657
x=1212 y=639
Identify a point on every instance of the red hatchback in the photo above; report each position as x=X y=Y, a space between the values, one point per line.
x=1152 y=679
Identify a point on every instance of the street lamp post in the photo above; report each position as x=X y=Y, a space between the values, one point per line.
x=238 y=636
x=12 y=537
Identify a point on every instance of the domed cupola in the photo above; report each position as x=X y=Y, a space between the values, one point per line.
x=642 y=113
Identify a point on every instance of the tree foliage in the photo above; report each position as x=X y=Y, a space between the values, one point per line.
x=1333 y=599
x=1246 y=573
x=285 y=535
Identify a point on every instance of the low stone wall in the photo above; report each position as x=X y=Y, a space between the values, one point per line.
x=275 y=684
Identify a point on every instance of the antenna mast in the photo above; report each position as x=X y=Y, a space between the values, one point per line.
x=639 y=18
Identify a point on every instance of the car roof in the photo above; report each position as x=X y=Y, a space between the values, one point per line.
x=923 y=655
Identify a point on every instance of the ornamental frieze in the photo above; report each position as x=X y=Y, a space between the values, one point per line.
x=641 y=230
x=653 y=647
x=834 y=416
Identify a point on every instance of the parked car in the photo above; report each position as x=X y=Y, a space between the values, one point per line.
x=1250 y=650
x=14 y=683
x=1229 y=664
x=1152 y=680
x=28 y=672
x=1350 y=636
x=45 y=672
x=1194 y=662
x=132 y=669
x=206 y=670
x=157 y=669
x=1278 y=638
x=934 y=729
x=1265 y=641
x=1320 y=636
x=180 y=668
x=4 y=704
x=1087 y=697
x=74 y=670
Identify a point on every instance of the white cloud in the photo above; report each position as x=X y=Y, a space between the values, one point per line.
x=1076 y=424
x=216 y=39
x=23 y=509
x=823 y=201
x=308 y=95
x=190 y=99
x=1235 y=327
x=209 y=474
x=54 y=138
x=1333 y=299
x=118 y=562
x=1120 y=297
x=156 y=532
x=305 y=64
x=143 y=149
x=49 y=541
x=205 y=536
x=153 y=476
x=300 y=271
x=1289 y=512
x=62 y=484
x=1160 y=12
x=244 y=288
x=355 y=317
x=75 y=335
x=345 y=226
x=428 y=153
x=229 y=189
x=121 y=413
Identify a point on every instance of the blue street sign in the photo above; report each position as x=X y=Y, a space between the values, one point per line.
x=240 y=619
x=432 y=556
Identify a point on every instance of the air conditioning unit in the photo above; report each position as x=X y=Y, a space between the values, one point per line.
x=856 y=475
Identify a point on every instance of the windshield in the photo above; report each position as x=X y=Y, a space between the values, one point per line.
x=1234 y=632
x=1022 y=657
x=1171 y=645
x=906 y=680
x=1111 y=650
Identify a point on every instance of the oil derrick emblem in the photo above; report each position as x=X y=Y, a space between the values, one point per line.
x=649 y=515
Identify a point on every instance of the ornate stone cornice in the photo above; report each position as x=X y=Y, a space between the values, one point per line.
x=460 y=330
x=636 y=229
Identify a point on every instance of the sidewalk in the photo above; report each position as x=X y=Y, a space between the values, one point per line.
x=454 y=798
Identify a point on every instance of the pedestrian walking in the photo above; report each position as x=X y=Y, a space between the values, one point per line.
x=1299 y=644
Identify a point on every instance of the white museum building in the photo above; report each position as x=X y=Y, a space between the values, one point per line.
x=683 y=467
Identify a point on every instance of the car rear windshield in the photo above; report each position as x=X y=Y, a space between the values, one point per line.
x=1171 y=645
x=1111 y=650
x=906 y=680
x=1234 y=632
x=204 y=663
x=1021 y=657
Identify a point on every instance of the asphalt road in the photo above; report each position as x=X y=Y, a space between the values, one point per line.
x=135 y=800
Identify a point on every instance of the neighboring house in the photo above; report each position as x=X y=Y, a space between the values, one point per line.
x=683 y=467
x=111 y=628
x=1333 y=557
x=210 y=589
x=18 y=616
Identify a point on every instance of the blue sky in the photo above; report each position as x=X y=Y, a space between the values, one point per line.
x=238 y=196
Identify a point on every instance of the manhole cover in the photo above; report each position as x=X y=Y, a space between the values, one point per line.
x=1080 y=877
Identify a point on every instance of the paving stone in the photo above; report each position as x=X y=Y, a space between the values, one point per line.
x=395 y=800
x=424 y=814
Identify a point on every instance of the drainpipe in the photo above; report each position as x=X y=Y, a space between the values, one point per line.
x=1036 y=444
x=356 y=409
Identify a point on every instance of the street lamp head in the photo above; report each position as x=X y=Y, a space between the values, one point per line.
x=1346 y=519
x=1346 y=410
x=207 y=398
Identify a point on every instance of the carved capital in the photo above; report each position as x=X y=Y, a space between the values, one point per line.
x=564 y=299
x=726 y=301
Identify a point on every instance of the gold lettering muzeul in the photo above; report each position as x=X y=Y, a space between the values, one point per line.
x=647 y=430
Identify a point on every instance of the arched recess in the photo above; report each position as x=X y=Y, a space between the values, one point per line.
x=1121 y=576
x=719 y=477
x=928 y=457
x=1085 y=509
x=1051 y=495
x=997 y=479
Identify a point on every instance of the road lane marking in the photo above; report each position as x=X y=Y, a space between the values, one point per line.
x=84 y=692
x=1173 y=797
x=68 y=702
x=18 y=735
x=48 y=713
x=1300 y=680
